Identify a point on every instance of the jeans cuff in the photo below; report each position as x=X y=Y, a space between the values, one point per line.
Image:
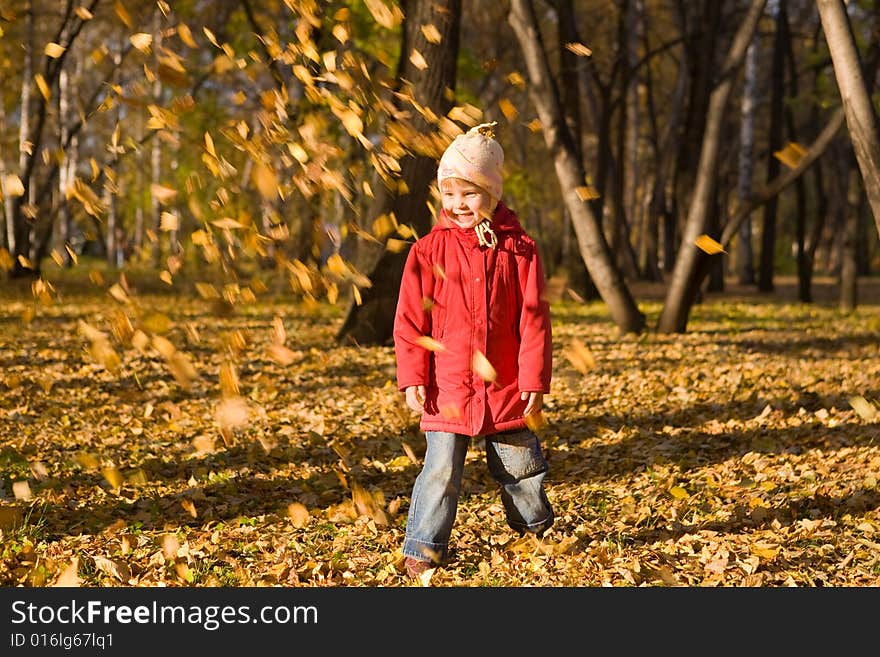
x=424 y=551
x=536 y=528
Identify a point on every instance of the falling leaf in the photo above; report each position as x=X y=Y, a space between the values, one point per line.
x=865 y=409
x=113 y=476
x=186 y=36
x=69 y=577
x=482 y=367
x=417 y=60
x=579 y=49
x=709 y=245
x=123 y=14
x=587 y=193
x=42 y=86
x=12 y=185
x=431 y=34
x=508 y=109
x=83 y=13
x=142 y=41
x=54 y=50
x=170 y=546
x=387 y=17
x=580 y=356
x=162 y=193
x=21 y=490
x=429 y=343
x=189 y=507
x=265 y=180
x=791 y=154
x=298 y=513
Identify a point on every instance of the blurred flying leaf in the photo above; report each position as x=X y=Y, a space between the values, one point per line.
x=579 y=49
x=387 y=16
x=482 y=367
x=865 y=409
x=69 y=577
x=299 y=514
x=508 y=109
x=162 y=193
x=42 y=86
x=142 y=41
x=21 y=490
x=54 y=50
x=12 y=185
x=190 y=507
x=431 y=33
x=418 y=60
x=708 y=245
x=580 y=356
x=791 y=154
x=429 y=343
x=265 y=180
x=587 y=193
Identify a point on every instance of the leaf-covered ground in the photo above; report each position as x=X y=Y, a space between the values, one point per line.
x=151 y=438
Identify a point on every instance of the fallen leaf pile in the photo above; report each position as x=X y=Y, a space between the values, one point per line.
x=171 y=444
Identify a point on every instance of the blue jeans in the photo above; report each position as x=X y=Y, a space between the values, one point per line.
x=515 y=461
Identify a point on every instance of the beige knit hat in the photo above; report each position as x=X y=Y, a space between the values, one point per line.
x=476 y=157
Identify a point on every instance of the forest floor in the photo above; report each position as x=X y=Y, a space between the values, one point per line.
x=153 y=437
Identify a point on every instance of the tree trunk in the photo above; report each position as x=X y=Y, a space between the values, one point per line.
x=682 y=289
x=744 y=254
x=570 y=172
x=774 y=139
x=848 y=248
x=860 y=116
x=372 y=320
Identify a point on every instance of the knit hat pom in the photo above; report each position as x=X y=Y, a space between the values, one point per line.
x=476 y=157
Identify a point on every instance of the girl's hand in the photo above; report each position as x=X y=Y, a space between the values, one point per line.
x=415 y=398
x=535 y=402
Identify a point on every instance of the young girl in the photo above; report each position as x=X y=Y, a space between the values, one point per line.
x=473 y=347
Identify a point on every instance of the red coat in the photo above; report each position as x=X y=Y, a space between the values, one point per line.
x=472 y=298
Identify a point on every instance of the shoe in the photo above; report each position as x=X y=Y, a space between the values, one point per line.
x=415 y=567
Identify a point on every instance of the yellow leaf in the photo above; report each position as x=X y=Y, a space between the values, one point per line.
x=142 y=41
x=123 y=14
x=709 y=245
x=168 y=221
x=113 y=476
x=431 y=33
x=429 y=343
x=791 y=154
x=43 y=87
x=482 y=367
x=579 y=49
x=764 y=551
x=387 y=17
x=281 y=354
x=12 y=185
x=507 y=108
x=189 y=507
x=865 y=409
x=265 y=180
x=516 y=80
x=186 y=36
x=69 y=576
x=535 y=421
x=162 y=193
x=535 y=125
x=580 y=356
x=21 y=490
x=83 y=13
x=298 y=513
x=678 y=493
x=165 y=277
x=54 y=50
x=227 y=223
x=587 y=193
x=417 y=60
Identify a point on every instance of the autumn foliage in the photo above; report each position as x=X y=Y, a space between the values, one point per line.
x=149 y=437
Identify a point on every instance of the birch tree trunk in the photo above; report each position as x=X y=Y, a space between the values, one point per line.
x=682 y=289
x=860 y=116
x=570 y=172
x=744 y=253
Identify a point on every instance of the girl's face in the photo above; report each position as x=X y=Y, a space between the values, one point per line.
x=465 y=203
